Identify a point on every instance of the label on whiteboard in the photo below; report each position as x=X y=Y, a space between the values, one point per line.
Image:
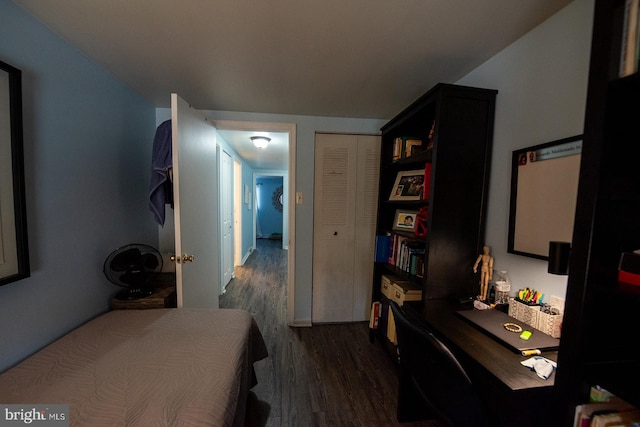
x=562 y=150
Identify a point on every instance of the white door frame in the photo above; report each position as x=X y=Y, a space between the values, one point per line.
x=226 y=206
x=290 y=129
x=237 y=212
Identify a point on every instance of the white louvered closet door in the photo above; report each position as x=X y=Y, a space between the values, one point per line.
x=345 y=206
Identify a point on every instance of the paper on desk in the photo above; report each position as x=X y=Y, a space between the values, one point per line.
x=543 y=366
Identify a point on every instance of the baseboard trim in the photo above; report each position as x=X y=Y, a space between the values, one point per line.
x=300 y=324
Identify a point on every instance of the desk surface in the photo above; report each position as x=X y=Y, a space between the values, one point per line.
x=504 y=364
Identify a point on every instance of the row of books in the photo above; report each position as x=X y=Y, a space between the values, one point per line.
x=630 y=43
x=402 y=252
x=406 y=146
x=407 y=254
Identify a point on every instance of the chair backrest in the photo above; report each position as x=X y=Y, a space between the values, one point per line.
x=437 y=373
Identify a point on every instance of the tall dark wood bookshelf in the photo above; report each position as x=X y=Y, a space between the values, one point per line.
x=599 y=336
x=460 y=120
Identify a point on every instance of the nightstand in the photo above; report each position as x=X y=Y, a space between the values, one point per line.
x=164 y=296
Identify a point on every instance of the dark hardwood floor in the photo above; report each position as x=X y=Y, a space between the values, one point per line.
x=325 y=375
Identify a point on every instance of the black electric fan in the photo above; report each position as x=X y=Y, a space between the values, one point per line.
x=133 y=267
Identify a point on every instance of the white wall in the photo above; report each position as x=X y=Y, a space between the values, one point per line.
x=542 y=84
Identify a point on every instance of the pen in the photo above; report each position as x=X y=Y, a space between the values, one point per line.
x=532 y=352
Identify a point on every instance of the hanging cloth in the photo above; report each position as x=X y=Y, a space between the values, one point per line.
x=160 y=186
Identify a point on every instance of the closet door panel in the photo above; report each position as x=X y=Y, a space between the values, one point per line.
x=366 y=209
x=333 y=231
x=345 y=212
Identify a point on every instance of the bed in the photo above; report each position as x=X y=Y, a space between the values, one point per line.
x=163 y=367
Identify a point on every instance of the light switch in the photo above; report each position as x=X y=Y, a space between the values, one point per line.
x=298 y=197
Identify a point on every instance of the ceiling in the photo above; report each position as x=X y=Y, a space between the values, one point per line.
x=355 y=58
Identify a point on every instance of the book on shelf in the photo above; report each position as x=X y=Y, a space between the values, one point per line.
x=630 y=43
x=383 y=247
x=391 y=328
x=431 y=135
x=426 y=184
x=374 y=319
x=407 y=254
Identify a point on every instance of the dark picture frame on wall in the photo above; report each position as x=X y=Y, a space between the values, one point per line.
x=14 y=251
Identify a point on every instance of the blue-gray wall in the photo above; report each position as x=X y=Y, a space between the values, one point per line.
x=270 y=218
x=87 y=141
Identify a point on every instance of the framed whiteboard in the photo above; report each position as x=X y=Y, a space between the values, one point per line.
x=544 y=190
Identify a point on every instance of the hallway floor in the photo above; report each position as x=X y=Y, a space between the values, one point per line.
x=325 y=375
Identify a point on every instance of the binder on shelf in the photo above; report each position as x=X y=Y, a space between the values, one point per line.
x=374 y=319
x=383 y=247
x=391 y=328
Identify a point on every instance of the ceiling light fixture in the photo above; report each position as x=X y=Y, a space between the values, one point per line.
x=260 y=141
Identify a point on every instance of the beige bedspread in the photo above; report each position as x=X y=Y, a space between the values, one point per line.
x=165 y=367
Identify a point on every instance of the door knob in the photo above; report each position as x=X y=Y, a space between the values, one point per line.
x=185 y=258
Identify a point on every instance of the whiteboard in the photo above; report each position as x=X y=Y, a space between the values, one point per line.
x=544 y=191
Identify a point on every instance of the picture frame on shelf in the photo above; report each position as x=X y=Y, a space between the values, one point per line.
x=409 y=185
x=405 y=220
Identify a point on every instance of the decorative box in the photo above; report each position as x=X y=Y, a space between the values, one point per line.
x=405 y=291
x=525 y=313
x=386 y=286
x=550 y=324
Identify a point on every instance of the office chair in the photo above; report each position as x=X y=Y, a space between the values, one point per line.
x=432 y=381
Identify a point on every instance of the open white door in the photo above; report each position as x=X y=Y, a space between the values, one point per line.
x=195 y=186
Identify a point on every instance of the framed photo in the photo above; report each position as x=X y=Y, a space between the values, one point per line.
x=408 y=186
x=405 y=220
x=14 y=252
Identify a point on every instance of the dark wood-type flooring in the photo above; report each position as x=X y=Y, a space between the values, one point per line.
x=325 y=375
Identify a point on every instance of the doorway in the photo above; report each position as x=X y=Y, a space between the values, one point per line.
x=288 y=239
x=270 y=213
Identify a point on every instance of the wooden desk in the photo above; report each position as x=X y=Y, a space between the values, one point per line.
x=514 y=392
